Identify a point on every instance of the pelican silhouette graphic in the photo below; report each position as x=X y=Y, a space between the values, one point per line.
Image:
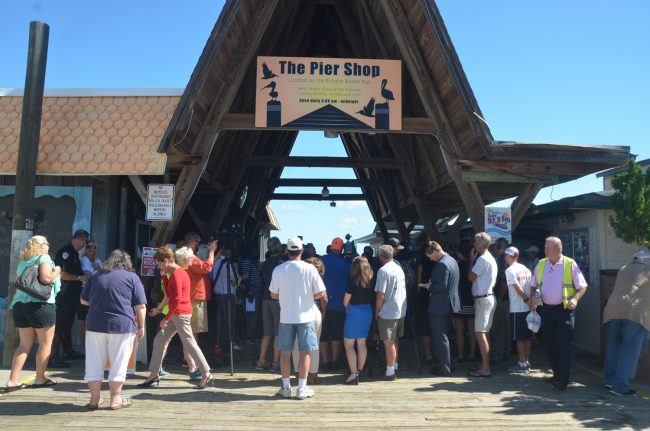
x=268 y=73
x=368 y=109
x=386 y=94
x=272 y=93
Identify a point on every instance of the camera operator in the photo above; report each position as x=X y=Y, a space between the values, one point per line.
x=225 y=298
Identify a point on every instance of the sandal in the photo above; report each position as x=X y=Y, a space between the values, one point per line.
x=95 y=406
x=477 y=373
x=15 y=388
x=126 y=402
x=45 y=384
x=204 y=382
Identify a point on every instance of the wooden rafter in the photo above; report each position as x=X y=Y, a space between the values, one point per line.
x=522 y=203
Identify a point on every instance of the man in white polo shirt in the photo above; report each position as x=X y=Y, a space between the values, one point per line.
x=390 y=305
x=483 y=275
x=296 y=284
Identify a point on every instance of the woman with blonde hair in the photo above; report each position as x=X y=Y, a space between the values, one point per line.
x=177 y=320
x=34 y=317
x=358 y=301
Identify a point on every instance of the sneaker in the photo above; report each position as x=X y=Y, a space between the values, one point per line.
x=284 y=392
x=163 y=373
x=261 y=365
x=275 y=367
x=628 y=392
x=196 y=374
x=305 y=392
x=519 y=367
x=607 y=386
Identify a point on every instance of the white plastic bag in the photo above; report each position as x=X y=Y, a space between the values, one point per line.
x=534 y=321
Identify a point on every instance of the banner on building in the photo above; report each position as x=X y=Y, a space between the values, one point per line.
x=498 y=223
x=328 y=93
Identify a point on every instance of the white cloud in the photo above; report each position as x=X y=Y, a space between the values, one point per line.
x=348 y=222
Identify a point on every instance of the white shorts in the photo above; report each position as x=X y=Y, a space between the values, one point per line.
x=100 y=347
x=484 y=313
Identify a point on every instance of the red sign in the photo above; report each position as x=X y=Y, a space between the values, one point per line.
x=148 y=266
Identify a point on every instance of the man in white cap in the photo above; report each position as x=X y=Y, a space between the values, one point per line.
x=296 y=284
x=518 y=279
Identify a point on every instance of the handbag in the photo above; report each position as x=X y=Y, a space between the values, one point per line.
x=30 y=283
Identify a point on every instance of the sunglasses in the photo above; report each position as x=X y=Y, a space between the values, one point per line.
x=91 y=246
x=45 y=243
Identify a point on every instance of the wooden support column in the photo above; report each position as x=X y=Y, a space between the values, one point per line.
x=240 y=61
x=140 y=187
x=468 y=193
x=407 y=163
x=452 y=234
x=522 y=203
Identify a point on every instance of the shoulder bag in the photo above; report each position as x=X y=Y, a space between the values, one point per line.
x=30 y=283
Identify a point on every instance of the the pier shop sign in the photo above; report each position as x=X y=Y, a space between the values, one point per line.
x=328 y=93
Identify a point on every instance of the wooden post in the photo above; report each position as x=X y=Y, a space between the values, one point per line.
x=30 y=130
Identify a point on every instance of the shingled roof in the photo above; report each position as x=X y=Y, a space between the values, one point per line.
x=444 y=161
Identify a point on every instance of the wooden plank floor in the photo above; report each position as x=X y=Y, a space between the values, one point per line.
x=246 y=401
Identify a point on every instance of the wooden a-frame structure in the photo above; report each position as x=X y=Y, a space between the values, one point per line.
x=444 y=161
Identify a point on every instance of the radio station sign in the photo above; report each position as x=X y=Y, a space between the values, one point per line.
x=160 y=202
x=498 y=223
x=328 y=93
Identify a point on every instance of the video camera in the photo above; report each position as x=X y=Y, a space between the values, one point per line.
x=349 y=248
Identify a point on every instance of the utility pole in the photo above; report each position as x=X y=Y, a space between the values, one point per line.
x=30 y=131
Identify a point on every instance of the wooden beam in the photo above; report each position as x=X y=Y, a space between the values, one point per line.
x=419 y=71
x=522 y=203
x=238 y=64
x=451 y=237
x=408 y=172
x=317 y=197
x=468 y=192
x=139 y=187
x=319 y=182
x=501 y=177
x=410 y=125
x=196 y=218
x=561 y=153
x=324 y=162
x=525 y=168
x=209 y=178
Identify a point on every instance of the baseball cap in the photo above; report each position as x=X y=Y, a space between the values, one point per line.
x=294 y=244
x=512 y=251
x=532 y=249
x=337 y=244
x=394 y=242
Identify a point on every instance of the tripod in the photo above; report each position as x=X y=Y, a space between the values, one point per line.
x=228 y=305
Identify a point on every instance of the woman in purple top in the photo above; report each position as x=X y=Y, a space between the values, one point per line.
x=112 y=293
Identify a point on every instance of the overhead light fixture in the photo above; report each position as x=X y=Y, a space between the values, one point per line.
x=330 y=134
x=332 y=204
x=325 y=192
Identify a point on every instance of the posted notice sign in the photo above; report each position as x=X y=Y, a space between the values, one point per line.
x=328 y=93
x=160 y=202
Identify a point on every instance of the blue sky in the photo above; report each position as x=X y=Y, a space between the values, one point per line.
x=555 y=71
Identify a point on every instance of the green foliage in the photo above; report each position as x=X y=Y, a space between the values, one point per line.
x=631 y=205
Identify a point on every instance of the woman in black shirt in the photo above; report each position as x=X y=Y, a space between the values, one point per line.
x=358 y=301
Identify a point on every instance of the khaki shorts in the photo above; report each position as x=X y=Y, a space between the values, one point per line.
x=484 y=313
x=199 y=320
x=390 y=329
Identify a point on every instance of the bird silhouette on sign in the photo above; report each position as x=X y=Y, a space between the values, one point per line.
x=368 y=110
x=385 y=93
x=268 y=73
x=272 y=93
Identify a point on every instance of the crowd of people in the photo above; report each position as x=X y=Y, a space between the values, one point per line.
x=324 y=311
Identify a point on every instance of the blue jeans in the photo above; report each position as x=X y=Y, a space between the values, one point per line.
x=304 y=332
x=626 y=342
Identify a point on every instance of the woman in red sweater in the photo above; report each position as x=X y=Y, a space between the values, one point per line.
x=177 y=320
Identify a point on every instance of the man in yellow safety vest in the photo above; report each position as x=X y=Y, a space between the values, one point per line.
x=560 y=284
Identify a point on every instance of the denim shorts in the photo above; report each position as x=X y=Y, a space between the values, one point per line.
x=306 y=333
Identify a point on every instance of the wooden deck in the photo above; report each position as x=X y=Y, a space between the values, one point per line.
x=246 y=401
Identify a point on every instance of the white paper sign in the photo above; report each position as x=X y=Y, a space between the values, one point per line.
x=160 y=202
